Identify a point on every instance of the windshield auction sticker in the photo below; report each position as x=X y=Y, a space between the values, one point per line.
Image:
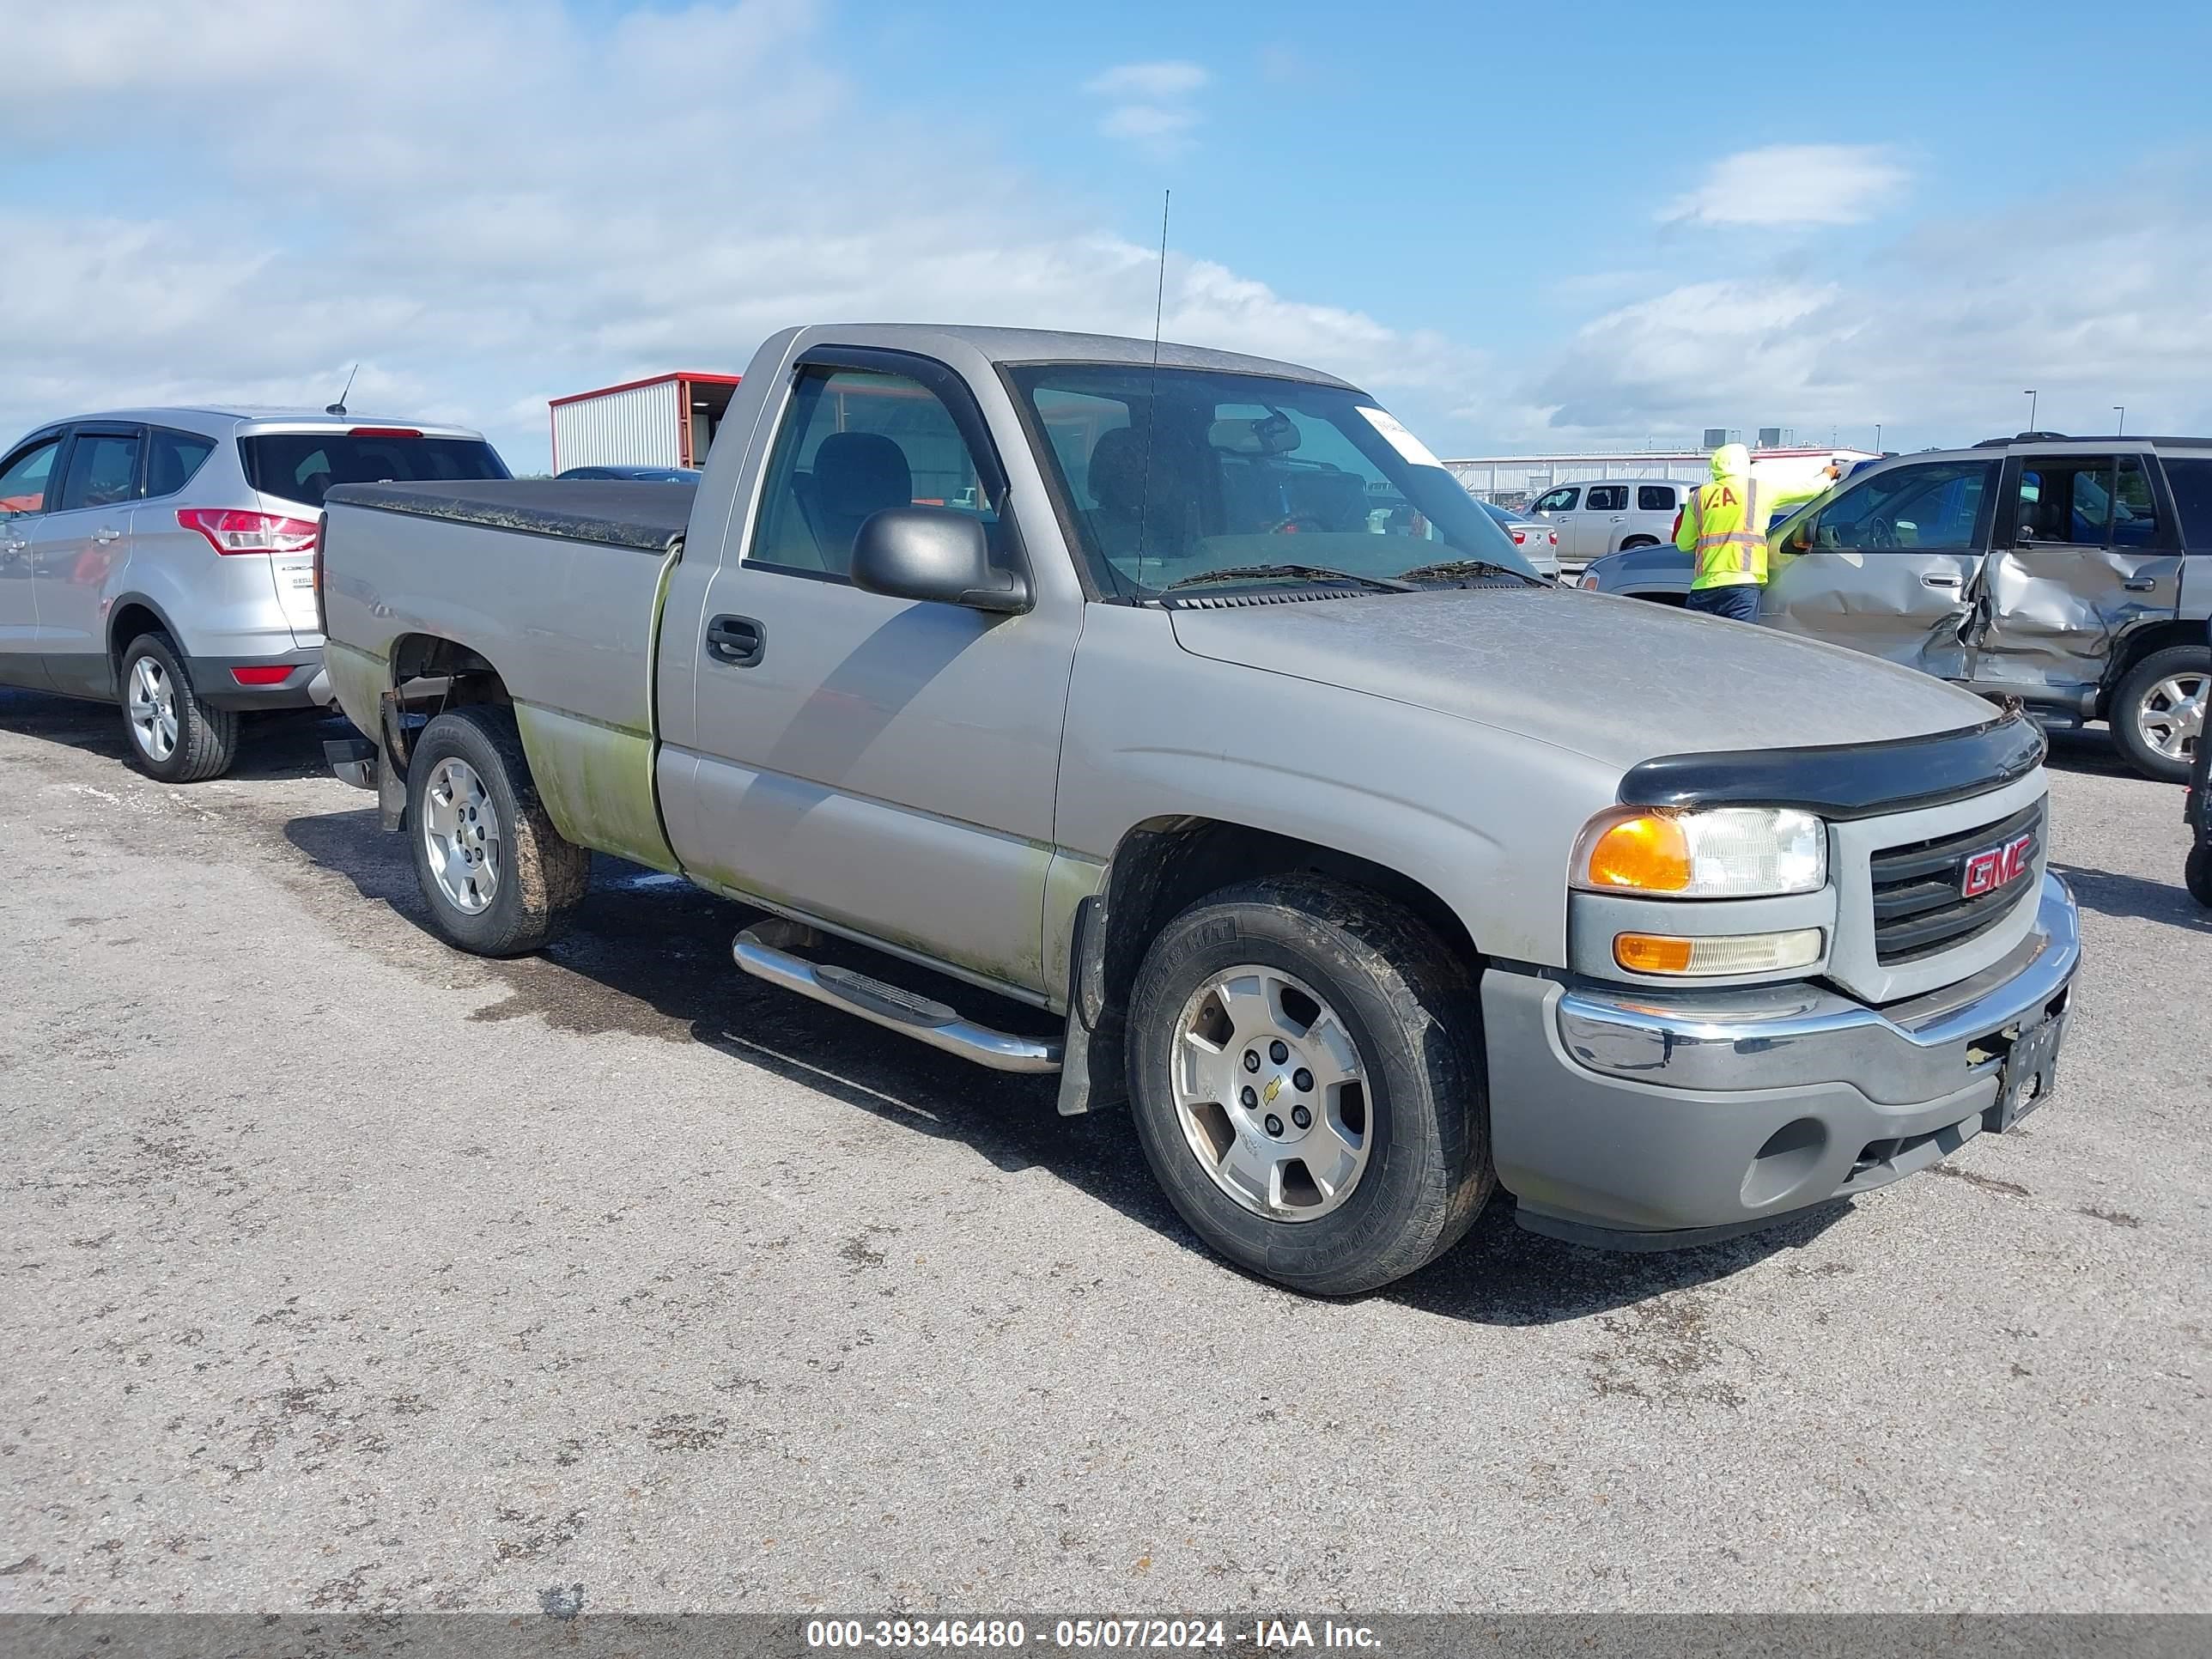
x=1394 y=434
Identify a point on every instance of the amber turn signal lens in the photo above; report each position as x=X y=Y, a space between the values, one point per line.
x=1645 y=854
x=1642 y=953
x=1714 y=955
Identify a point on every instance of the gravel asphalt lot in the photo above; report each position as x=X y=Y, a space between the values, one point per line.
x=344 y=1271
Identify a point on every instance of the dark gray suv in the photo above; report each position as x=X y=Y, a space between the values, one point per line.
x=2073 y=573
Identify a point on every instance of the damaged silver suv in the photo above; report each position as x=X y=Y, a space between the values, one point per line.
x=2073 y=573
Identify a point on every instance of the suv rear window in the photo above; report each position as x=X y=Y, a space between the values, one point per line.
x=1655 y=498
x=301 y=466
x=1606 y=498
x=2192 y=496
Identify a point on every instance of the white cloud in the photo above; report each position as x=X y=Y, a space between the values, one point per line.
x=1149 y=82
x=528 y=210
x=1933 y=335
x=1152 y=103
x=1793 y=184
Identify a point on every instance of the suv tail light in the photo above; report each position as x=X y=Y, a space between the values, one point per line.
x=231 y=529
x=322 y=535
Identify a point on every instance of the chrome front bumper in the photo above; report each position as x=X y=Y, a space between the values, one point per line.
x=1648 y=1118
x=1775 y=1037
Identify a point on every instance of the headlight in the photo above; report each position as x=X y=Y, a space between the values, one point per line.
x=1728 y=852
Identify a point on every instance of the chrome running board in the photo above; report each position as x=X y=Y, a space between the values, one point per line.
x=769 y=951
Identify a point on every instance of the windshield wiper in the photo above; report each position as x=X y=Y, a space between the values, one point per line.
x=1454 y=569
x=1312 y=573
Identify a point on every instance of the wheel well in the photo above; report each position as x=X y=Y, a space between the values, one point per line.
x=1166 y=865
x=2135 y=647
x=463 y=676
x=1639 y=541
x=132 y=619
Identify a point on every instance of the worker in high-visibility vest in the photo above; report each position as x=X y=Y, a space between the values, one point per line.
x=1723 y=530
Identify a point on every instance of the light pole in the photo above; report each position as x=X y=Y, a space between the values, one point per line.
x=2121 y=409
x=2030 y=395
x=1877 y=437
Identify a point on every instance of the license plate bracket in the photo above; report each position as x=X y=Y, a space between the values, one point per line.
x=2029 y=1074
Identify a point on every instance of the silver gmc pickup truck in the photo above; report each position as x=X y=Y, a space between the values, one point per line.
x=1172 y=720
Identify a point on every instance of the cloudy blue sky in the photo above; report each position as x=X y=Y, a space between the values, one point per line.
x=1522 y=227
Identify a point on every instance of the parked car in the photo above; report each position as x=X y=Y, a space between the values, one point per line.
x=1538 y=542
x=163 y=558
x=683 y=475
x=2073 y=573
x=1375 y=871
x=1659 y=570
x=1594 y=519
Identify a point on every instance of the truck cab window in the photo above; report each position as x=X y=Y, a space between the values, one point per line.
x=854 y=442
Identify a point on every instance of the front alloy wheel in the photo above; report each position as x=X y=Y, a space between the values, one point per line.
x=1271 y=1093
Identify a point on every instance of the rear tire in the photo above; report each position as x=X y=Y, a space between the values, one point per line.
x=1639 y=541
x=2198 y=874
x=2156 y=720
x=497 y=877
x=1320 y=981
x=174 y=736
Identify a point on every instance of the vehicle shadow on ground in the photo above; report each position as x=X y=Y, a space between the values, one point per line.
x=2133 y=897
x=287 y=744
x=650 y=954
x=2092 y=754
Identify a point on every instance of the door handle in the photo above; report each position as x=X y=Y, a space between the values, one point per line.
x=1934 y=579
x=104 y=535
x=2140 y=584
x=740 y=641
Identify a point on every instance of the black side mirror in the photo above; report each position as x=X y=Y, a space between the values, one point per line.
x=935 y=554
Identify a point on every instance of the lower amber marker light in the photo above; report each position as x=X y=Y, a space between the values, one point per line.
x=1716 y=956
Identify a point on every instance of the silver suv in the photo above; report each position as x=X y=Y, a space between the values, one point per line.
x=164 y=558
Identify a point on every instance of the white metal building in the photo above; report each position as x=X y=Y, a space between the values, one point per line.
x=667 y=421
x=1515 y=478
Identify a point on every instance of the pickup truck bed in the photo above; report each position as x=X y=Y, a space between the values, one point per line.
x=644 y=516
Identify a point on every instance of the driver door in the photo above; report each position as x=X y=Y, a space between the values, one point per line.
x=882 y=765
x=1558 y=507
x=2084 y=554
x=27 y=486
x=1887 y=566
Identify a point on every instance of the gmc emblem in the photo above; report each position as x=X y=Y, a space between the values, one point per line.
x=1988 y=871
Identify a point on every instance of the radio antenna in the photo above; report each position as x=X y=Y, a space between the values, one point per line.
x=339 y=408
x=1152 y=396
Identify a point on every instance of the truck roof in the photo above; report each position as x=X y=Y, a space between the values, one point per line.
x=1044 y=345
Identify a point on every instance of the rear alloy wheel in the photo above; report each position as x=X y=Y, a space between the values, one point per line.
x=2158 y=711
x=175 y=737
x=498 y=877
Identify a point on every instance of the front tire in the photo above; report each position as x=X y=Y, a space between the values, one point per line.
x=174 y=736
x=498 y=879
x=2157 y=711
x=1359 y=1020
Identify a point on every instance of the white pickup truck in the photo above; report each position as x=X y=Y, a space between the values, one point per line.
x=1182 y=704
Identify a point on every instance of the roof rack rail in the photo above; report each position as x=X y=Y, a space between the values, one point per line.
x=2023 y=438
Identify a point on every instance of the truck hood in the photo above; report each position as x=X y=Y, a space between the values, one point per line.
x=1619 y=680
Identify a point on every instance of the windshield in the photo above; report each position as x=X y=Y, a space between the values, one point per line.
x=1247 y=471
x=300 y=466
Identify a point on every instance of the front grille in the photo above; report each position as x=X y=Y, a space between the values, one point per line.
x=1918 y=906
